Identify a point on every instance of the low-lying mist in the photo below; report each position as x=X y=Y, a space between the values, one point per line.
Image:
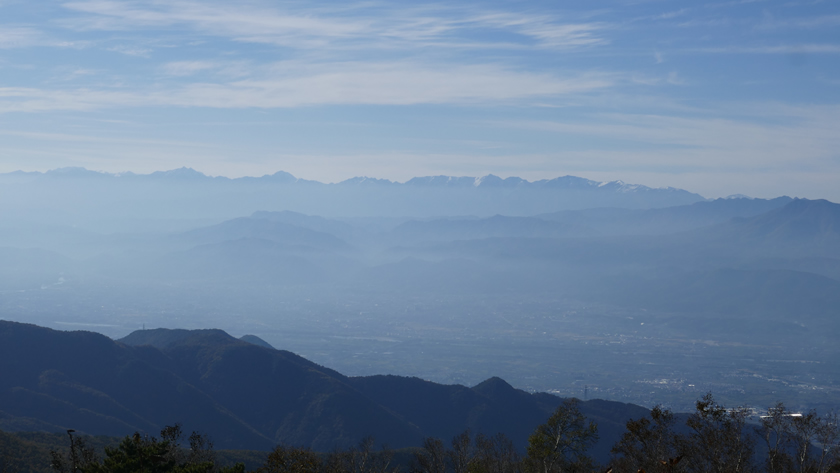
x=656 y=301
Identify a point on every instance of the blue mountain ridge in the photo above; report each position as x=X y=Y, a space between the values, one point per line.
x=282 y=177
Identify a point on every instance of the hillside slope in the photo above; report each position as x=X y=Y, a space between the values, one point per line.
x=244 y=395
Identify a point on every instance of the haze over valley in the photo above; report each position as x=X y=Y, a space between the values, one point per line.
x=468 y=230
x=622 y=292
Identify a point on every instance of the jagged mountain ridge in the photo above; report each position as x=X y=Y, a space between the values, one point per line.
x=441 y=181
x=128 y=202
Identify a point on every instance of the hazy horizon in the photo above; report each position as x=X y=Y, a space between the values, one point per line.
x=719 y=98
x=478 y=178
x=637 y=201
x=282 y=171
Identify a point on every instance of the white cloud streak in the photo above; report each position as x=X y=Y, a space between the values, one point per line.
x=825 y=21
x=778 y=49
x=131 y=51
x=224 y=69
x=19 y=37
x=359 y=27
x=295 y=85
x=188 y=68
x=545 y=29
x=71 y=138
x=807 y=136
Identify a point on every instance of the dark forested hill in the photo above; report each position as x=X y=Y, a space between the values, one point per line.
x=17 y=454
x=246 y=396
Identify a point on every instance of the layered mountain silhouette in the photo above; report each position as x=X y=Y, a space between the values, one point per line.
x=802 y=227
x=185 y=174
x=247 y=395
x=654 y=247
x=617 y=221
x=792 y=228
x=131 y=202
x=590 y=222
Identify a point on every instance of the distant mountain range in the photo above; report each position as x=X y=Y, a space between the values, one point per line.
x=801 y=227
x=489 y=181
x=130 y=202
x=247 y=395
x=600 y=254
x=591 y=222
x=439 y=260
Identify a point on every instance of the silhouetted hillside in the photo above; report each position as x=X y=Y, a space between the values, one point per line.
x=162 y=338
x=19 y=455
x=255 y=340
x=244 y=396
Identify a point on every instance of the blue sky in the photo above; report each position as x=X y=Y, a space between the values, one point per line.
x=716 y=97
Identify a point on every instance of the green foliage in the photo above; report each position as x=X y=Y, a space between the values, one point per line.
x=144 y=454
x=285 y=459
x=561 y=443
x=136 y=454
x=360 y=459
x=714 y=439
x=650 y=445
x=20 y=455
x=718 y=439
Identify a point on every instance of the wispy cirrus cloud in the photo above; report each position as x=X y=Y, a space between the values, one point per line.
x=76 y=138
x=20 y=37
x=30 y=99
x=188 y=68
x=240 y=21
x=393 y=59
x=822 y=21
x=776 y=49
x=672 y=14
x=545 y=30
x=131 y=50
x=225 y=69
x=632 y=86
x=763 y=136
x=361 y=25
x=297 y=84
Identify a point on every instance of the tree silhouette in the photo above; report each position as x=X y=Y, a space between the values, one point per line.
x=560 y=445
x=649 y=444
